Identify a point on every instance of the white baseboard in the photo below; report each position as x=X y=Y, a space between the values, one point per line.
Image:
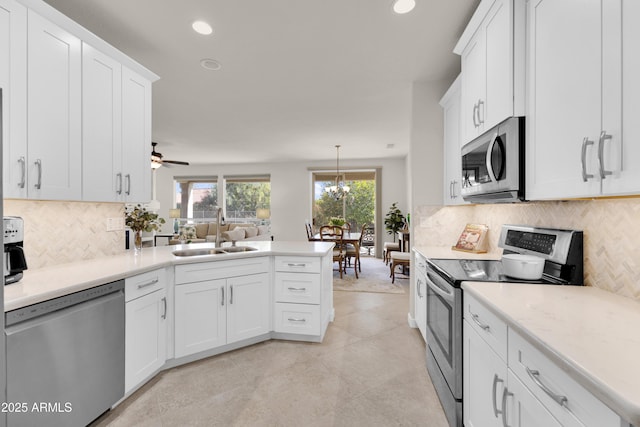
x=412 y=322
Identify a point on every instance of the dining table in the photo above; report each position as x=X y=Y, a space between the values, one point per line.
x=348 y=238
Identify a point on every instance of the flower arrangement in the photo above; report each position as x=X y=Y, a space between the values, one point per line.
x=138 y=218
x=336 y=220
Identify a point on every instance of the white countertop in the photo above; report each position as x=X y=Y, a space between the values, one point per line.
x=592 y=334
x=51 y=282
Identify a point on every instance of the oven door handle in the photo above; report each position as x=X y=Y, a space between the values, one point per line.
x=444 y=293
x=492 y=175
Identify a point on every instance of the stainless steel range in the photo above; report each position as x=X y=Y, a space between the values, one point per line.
x=562 y=251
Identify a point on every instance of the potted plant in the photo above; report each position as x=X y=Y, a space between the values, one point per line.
x=394 y=220
x=139 y=219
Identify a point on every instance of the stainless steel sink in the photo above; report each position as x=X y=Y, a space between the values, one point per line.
x=233 y=249
x=213 y=251
x=196 y=252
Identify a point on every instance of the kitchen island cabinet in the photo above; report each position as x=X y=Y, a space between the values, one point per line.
x=146 y=321
x=181 y=309
x=231 y=304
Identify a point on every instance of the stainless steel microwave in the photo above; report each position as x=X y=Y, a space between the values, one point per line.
x=493 y=164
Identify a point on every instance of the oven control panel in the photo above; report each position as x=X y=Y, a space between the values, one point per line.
x=553 y=244
x=538 y=242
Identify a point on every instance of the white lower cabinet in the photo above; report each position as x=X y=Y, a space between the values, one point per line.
x=226 y=304
x=420 y=296
x=146 y=326
x=507 y=381
x=523 y=409
x=303 y=296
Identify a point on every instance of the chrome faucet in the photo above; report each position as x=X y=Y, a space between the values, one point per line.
x=219 y=224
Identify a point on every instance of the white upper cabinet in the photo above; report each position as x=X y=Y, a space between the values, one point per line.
x=70 y=102
x=564 y=99
x=53 y=111
x=13 y=81
x=492 y=52
x=581 y=129
x=136 y=136
x=116 y=130
x=102 y=126
x=450 y=104
x=622 y=152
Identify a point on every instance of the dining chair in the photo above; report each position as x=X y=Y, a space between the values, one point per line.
x=353 y=252
x=334 y=233
x=309 y=230
x=368 y=239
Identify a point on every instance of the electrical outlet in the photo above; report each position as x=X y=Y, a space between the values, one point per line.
x=115 y=224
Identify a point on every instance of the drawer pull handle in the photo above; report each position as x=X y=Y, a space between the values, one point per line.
x=293 y=319
x=164 y=314
x=299 y=265
x=496 y=380
x=505 y=395
x=475 y=317
x=222 y=299
x=149 y=283
x=297 y=289
x=559 y=399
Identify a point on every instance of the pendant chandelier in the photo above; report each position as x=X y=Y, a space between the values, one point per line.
x=339 y=190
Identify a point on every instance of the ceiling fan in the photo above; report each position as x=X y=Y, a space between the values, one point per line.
x=156 y=158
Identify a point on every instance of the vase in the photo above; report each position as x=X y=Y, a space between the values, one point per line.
x=137 y=241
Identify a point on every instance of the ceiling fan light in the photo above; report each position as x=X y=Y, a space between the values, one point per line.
x=155 y=164
x=403 y=6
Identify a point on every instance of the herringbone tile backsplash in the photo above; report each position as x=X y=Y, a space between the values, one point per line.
x=61 y=232
x=611 y=233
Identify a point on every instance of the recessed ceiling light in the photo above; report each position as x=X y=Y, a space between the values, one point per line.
x=403 y=6
x=202 y=27
x=210 y=64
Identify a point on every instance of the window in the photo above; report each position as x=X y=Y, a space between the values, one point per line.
x=358 y=207
x=196 y=197
x=247 y=198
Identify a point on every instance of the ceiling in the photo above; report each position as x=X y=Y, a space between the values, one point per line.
x=297 y=76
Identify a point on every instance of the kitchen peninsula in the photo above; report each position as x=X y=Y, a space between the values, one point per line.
x=200 y=305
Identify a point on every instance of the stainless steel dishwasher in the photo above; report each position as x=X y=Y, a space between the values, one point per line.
x=65 y=358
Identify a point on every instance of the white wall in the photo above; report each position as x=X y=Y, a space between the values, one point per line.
x=290 y=188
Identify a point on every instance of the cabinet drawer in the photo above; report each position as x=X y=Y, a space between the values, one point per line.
x=143 y=284
x=489 y=326
x=301 y=319
x=297 y=288
x=545 y=379
x=298 y=264
x=198 y=272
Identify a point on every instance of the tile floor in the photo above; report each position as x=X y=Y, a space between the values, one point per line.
x=369 y=371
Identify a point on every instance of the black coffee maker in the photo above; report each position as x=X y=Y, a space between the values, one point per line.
x=14 y=260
